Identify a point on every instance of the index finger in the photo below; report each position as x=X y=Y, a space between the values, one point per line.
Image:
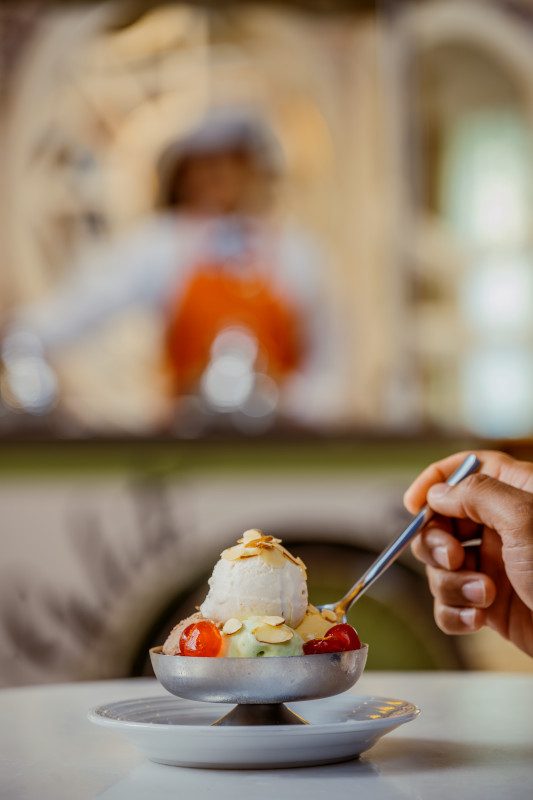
x=497 y=465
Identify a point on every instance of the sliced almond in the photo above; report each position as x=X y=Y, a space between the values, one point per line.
x=233 y=553
x=290 y=556
x=273 y=621
x=270 y=635
x=248 y=552
x=330 y=616
x=232 y=625
x=312 y=609
x=251 y=535
x=273 y=558
x=301 y=564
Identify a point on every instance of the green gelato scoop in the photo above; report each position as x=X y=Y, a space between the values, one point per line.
x=243 y=644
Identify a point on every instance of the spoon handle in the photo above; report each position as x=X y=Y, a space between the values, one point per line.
x=385 y=559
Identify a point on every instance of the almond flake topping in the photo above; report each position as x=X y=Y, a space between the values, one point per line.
x=273 y=621
x=312 y=609
x=256 y=543
x=328 y=615
x=233 y=553
x=269 y=635
x=251 y=535
x=248 y=552
x=273 y=558
x=232 y=625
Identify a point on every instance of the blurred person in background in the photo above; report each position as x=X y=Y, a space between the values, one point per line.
x=238 y=292
x=494 y=586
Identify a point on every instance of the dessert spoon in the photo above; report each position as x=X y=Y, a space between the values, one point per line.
x=392 y=551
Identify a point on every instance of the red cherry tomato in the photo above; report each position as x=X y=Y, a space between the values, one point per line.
x=338 y=639
x=201 y=639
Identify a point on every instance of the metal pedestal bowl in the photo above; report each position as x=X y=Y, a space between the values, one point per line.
x=259 y=686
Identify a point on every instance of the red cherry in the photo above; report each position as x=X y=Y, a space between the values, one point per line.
x=347 y=634
x=314 y=647
x=338 y=639
x=201 y=639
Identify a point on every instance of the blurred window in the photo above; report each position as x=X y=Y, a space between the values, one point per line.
x=470 y=244
x=487 y=182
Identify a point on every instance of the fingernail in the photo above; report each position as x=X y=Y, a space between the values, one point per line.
x=468 y=616
x=438 y=490
x=441 y=556
x=474 y=591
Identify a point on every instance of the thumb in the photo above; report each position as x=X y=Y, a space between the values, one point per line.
x=488 y=501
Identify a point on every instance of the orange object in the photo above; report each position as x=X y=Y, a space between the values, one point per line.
x=214 y=301
x=202 y=639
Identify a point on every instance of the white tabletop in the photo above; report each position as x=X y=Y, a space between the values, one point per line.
x=474 y=739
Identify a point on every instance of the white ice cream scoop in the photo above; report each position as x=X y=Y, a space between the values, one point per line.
x=250 y=587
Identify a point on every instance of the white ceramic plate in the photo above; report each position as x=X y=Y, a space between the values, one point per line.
x=173 y=731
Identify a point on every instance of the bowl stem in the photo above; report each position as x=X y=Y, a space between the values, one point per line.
x=261 y=714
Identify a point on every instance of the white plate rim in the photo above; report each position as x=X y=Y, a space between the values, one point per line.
x=413 y=712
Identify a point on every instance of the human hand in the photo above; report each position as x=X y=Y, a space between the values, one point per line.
x=495 y=504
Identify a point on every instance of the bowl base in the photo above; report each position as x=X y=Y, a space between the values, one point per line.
x=261 y=714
